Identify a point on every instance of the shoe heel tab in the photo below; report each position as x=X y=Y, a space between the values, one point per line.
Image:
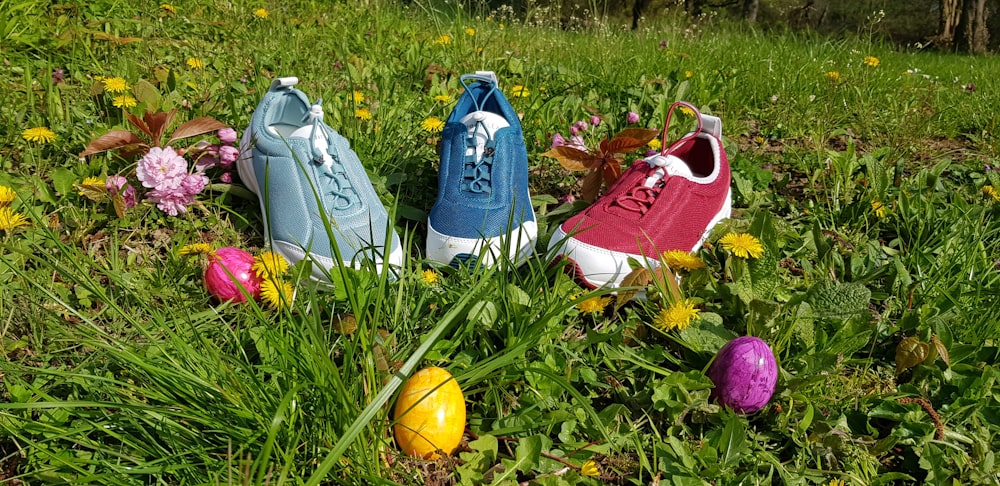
x=484 y=76
x=712 y=125
x=283 y=83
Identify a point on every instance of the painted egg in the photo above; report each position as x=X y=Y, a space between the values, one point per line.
x=745 y=373
x=229 y=268
x=429 y=414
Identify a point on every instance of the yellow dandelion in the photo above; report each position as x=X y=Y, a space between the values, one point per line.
x=363 y=114
x=594 y=304
x=687 y=111
x=167 y=7
x=269 y=265
x=443 y=40
x=195 y=63
x=432 y=124
x=759 y=139
x=743 y=245
x=878 y=208
x=429 y=277
x=688 y=74
x=196 y=249
x=470 y=31
x=39 y=135
x=655 y=144
x=519 y=91
x=682 y=260
x=10 y=220
x=501 y=25
x=7 y=196
x=835 y=482
x=358 y=97
x=261 y=13
x=871 y=61
x=277 y=294
x=91 y=181
x=678 y=316
x=115 y=85
x=443 y=98
x=991 y=192
x=124 y=101
x=833 y=76
x=589 y=468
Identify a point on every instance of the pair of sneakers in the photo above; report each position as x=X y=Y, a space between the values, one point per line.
x=319 y=204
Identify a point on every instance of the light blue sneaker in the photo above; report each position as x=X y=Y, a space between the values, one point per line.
x=304 y=172
x=483 y=211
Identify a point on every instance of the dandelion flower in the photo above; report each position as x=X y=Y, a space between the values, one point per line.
x=363 y=114
x=92 y=188
x=833 y=76
x=10 y=220
x=124 y=101
x=277 y=294
x=443 y=40
x=167 y=7
x=835 y=482
x=358 y=97
x=878 y=208
x=682 y=260
x=871 y=61
x=688 y=74
x=655 y=144
x=196 y=249
x=990 y=191
x=429 y=277
x=115 y=85
x=432 y=124
x=269 y=265
x=589 y=468
x=261 y=13
x=39 y=135
x=195 y=63
x=519 y=91
x=593 y=304
x=470 y=31
x=7 y=196
x=743 y=245
x=443 y=98
x=678 y=316
x=687 y=111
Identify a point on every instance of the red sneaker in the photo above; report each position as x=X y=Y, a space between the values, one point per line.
x=668 y=201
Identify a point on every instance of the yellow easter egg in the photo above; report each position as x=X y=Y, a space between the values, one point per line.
x=429 y=414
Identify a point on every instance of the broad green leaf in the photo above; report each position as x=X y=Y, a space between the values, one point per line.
x=528 y=451
x=732 y=442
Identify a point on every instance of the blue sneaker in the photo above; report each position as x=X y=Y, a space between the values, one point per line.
x=483 y=211
x=304 y=172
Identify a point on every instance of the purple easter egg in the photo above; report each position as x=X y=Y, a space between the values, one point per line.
x=744 y=373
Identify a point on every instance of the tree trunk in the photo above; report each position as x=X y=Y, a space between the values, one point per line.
x=971 y=34
x=750 y=8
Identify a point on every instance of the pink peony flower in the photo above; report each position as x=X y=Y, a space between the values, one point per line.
x=226 y=177
x=227 y=135
x=171 y=201
x=117 y=184
x=558 y=140
x=582 y=125
x=194 y=183
x=632 y=118
x=161 y=167
x=576 y=142
x=595 y=120
x=574 y=131
x=228 y=154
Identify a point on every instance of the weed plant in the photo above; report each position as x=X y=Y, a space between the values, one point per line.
x=866 y=171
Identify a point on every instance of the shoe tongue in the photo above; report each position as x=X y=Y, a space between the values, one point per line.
x=318 y=139
x=483 y=125
x=667 y=165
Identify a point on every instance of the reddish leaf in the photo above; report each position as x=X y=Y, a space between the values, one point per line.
x=665 y=278
x=643 y=135
x=198 y=126
x=119 y=202
x=94 y=192
x=623 y=145
x=571 y=158
x=591 y=186
x=639 y=277
x=111 y=140
x=158 y=123
x=140 y=125
x=612 y=170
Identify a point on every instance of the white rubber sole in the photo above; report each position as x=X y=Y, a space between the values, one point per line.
x=598 y=267
x=517 y=246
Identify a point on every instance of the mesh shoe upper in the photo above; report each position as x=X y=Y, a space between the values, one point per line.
x=302 y=170
x=666 y=202
x=483 y=178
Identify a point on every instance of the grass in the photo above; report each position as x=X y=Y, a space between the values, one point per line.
x=118 y=368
